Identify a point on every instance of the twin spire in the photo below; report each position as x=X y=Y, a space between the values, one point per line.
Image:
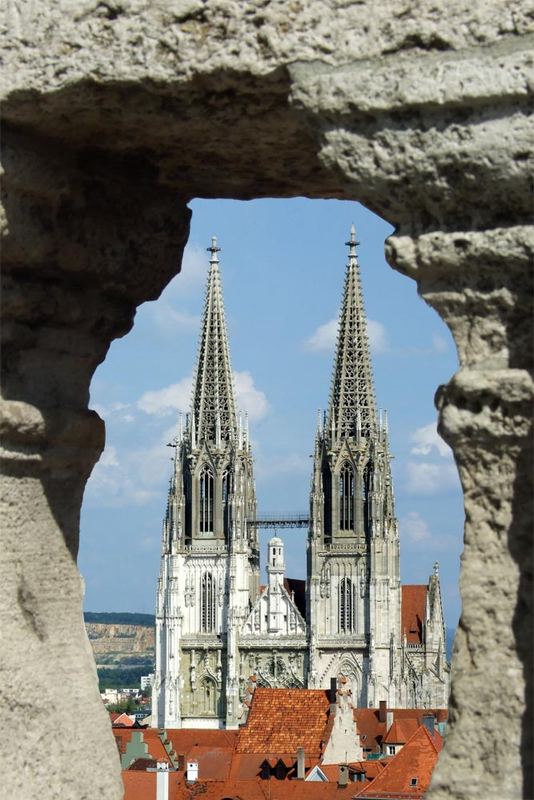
x=352 y=400
x=214 y=412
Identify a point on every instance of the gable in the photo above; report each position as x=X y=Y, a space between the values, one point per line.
x=413 y=612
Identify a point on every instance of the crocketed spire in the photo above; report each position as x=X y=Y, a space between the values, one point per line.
x=352 y=398
x=214 y=414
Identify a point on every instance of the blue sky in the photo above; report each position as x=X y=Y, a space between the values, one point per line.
x=283 y=266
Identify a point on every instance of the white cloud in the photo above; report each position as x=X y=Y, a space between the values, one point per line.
x=170 y=320
x=177 y=397
x=169 y=400
x=248 y=397
x=131 y=477
x=115 y=484
x=323 y=339
x=426 y=439
x=414 y=527
x=378 y=338
x=109 y=457
x=426 y=478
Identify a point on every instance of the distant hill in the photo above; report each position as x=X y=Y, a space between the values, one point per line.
x=120 y=618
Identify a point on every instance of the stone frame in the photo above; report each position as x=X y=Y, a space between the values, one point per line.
x=116 y=114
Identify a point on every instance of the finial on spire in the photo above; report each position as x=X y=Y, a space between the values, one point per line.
x=213 y=249
x=436 y=569
x=352 y=243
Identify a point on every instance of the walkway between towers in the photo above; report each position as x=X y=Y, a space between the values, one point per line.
x=295 y=520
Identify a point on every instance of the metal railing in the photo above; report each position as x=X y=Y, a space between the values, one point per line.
x=280 y=520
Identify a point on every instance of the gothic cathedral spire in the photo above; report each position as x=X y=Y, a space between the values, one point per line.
x=210 y=556
x=353 y=545
x=352 y=397
x=213 y=411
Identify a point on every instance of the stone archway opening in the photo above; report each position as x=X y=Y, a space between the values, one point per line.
x=114 y=119
x=282 y=357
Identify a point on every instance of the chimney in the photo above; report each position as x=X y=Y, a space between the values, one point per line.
x=301 y=764
x=333 y=691
x=192 y=771
x=389 y=720
x=382 y=711
x=162 y=781
x=429 y=723
x=343 y=777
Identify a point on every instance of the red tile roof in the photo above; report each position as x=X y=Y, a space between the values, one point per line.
x=401 y=731
x=413 y=612
x=415 y=762
x=280 y=720
x=142 y=786
x=150 y=737
x=372 y=731
x=121 y=719
x=184 y=739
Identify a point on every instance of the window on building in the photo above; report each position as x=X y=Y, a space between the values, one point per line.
x=207 y=603
x=346 y=498
x=413 y=782
x=207 y=483
x=391 y=749
x=366 y=488
x=346 y=606
x=226 y=503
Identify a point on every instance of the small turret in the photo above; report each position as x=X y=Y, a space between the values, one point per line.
x=275 y=571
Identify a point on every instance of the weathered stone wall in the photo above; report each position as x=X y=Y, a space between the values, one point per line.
x=118 y=112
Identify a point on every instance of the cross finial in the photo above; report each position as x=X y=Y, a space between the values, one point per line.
x=213 y=249
x=352 y=243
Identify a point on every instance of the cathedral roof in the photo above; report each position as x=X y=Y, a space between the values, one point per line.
x=413 y=612
x=352 y=395
x=297 y=588
x=213 y=409
x=280 y=720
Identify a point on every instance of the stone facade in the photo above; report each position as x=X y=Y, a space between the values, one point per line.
x=215 y=626
x=115 y=114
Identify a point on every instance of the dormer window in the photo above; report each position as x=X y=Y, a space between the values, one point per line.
x=413 y=782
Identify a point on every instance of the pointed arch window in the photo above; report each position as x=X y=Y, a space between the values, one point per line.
x=206 y=496
x=346 y=498
x=226 y=502
x=346 y=606
x=207 y=603
x=366 y=488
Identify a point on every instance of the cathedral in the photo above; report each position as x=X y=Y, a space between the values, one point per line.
x=217 y=628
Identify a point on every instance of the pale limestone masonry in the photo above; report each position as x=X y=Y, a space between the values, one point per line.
x=116 y=114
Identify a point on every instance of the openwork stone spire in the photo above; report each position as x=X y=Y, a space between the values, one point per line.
x=213 y=396
x=352 y=398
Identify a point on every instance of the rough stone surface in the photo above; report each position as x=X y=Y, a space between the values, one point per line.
x=117 y=112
